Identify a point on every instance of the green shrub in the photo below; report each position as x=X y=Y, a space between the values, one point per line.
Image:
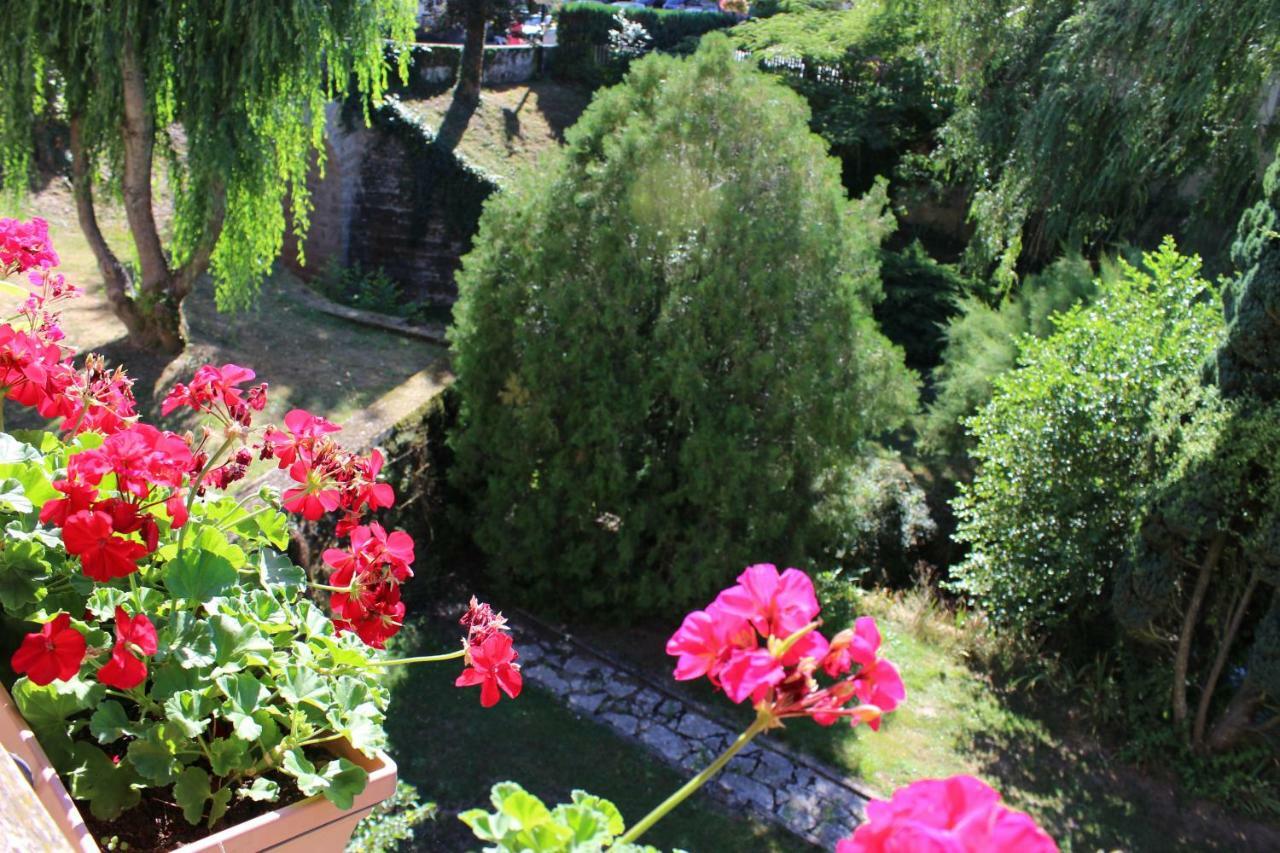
x=982 y=343
x=584 y=26
x=920 y=297
x=664 y=341
x=1065 y=447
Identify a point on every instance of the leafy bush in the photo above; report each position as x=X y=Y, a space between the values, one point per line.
x=871 y=76
x=982 y=343
x=391 y=822
x=920 y=296
x=1065 y=447
x=875 y=519
x=584 y=26
x=664 y=341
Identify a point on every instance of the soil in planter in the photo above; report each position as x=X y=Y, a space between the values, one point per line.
x=157 y=823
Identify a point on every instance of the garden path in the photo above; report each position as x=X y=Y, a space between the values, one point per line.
x=772 y=782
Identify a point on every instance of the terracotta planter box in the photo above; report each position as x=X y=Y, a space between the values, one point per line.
x=313 y=825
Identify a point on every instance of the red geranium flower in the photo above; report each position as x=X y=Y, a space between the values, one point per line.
x=88 y=535
x=54 y=652
x=135 y=635
x=492 y=668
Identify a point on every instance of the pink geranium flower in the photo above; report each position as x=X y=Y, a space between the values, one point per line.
x=777 y=605
x=961 y=814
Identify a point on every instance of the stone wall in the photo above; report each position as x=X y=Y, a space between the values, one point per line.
x=434 y=67
x=390 y=199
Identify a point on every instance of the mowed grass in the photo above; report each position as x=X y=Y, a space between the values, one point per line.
x=956 y=720
x=513 y=127
x=454 y=750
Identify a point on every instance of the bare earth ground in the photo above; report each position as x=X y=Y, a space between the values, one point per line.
x=310 y=359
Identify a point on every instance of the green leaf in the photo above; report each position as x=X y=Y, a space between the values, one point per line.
x=189 y=711
x=304 y=772
x=21 y=564
x=109 y=787
x=614 y=824
x=238 y=643
x=274 y=527
x=13 y=451
x=103 y=600
x=199 y=575
x=218 y=804
x=300 y=685
x=13 y=494
x=191 y=791
x=346 y=781
x=110 y=723
x=262 y=790
x=524 y=809
x=227 y=755
x=47 y=708
x=169 y=679
x=192 y=643
x=155 y=756
x=276 y=569
x=486 y=826
x=243 y=692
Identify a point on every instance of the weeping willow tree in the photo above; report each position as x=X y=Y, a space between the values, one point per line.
x=230 y=95
x=1074 y=116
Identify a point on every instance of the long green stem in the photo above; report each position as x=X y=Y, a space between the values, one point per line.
x=195 y=487
x=763 y=721
x=423 y=659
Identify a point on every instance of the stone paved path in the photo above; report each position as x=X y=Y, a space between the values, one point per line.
x=773 y=783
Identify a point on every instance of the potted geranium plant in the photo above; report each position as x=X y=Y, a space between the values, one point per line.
x=180 y=673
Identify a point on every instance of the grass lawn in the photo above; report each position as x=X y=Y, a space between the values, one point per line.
x=956 y=721
x=513 y=126
x=453 y=750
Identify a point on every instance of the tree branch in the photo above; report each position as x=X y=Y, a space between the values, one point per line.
x=139 y=143
x=1189 y=626
x=114 y=277
x=1220 y=660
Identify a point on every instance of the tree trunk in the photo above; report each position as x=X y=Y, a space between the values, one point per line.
x=471 y=65
x=1220 y=660
x=153 y=317
x=1189 y=626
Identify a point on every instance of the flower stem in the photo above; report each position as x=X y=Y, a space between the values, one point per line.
x=194 y=486
x=763 y=721
x=423 y=659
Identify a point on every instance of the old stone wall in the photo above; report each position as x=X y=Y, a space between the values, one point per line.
x=390 y=199
x=435 y=66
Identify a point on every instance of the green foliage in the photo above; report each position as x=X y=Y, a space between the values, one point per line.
x=1074 y=116
x=664 y=341
x=983 y=341
x=391 y=822
x=246 y=84
x=521 y=823
x=249 y=675
x=1065 y=448
x=871 y=75
x=581 y=27
x=874 y=519
x=920 y=297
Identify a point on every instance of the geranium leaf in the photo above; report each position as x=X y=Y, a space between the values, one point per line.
x=346 y=780
x=199 y=575
x=218 y=805
x=155 y=756
x=21 y=563
x=13 y=494
x=276 y=569
x=110 y=723
x=109 y=787
x=227 y=755
x=189 y=710
x=262 y=790
x=191 y=791
x=304 y=772
x=299 y=685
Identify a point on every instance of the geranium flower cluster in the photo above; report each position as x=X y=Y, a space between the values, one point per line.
x=35 y=369
x=759 y=639
x=961 y=814
x=371 y=568
x=490 y=655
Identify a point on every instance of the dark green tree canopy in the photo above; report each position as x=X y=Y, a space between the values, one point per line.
x=665 y=339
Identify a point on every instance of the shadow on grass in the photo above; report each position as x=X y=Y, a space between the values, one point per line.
x=454 y=751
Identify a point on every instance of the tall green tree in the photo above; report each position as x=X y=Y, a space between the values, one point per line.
x=664 y=343
x=1205 y=576
x=1078 y=121
x=231 y=95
